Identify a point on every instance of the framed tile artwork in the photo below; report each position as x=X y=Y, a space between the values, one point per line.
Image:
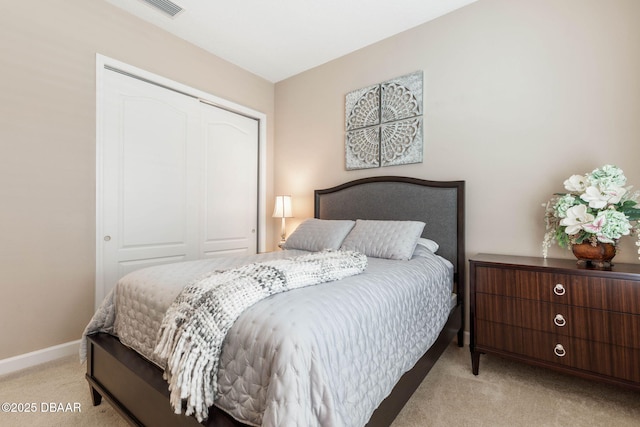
x=384 y=123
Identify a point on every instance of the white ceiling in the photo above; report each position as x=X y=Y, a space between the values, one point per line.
x=277 y=39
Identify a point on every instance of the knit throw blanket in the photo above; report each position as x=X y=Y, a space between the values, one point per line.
x=193 y=329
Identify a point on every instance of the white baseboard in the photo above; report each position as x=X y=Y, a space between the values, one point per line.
x=38 y=357
x=467 y=338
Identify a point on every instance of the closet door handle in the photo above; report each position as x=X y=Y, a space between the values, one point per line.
x=559 y=320
x=559 y=289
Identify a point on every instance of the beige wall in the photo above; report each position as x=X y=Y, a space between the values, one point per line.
x=518 y=96
x=47 y=151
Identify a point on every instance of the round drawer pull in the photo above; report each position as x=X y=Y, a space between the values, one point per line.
x=559 y=350
x=559 y=320
x=559 y=289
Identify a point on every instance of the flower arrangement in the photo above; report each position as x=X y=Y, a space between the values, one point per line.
x=598 y=207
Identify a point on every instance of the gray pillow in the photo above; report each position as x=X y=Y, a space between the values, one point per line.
x=384 y=239
x=319 y=234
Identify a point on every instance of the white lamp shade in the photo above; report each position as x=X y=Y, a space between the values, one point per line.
x=282 y=208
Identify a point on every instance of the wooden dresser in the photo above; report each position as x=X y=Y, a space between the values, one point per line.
x=552 y=313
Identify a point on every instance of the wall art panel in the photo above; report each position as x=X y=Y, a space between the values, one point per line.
x=384 y=123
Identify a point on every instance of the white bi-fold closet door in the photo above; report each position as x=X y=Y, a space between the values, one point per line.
x=178 y=179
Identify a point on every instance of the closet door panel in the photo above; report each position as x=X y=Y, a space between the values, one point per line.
x=149 y=152
x=153 y=174
x=231 y=183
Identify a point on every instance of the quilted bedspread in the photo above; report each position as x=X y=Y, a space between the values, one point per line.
x=324 y=355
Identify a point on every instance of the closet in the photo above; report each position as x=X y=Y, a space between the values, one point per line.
x=177 y=178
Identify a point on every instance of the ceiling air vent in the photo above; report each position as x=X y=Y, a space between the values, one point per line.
x=165 y=6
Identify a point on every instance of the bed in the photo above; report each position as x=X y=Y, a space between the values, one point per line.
x=132 y=381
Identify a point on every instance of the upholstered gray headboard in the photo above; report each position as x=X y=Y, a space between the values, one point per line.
x=439 y=204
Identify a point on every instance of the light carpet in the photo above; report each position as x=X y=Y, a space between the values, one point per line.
x=504 y=394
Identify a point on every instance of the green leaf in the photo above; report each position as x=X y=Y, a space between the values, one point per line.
x=561 y=237
x=632 y=213
x=582 y=238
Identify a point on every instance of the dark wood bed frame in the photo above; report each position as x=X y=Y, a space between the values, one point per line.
x=135 y=387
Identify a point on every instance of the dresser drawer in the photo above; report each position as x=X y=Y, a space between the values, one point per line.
x=499 y=336
x=605 y=359
x=595 y=325
x=539 y=285
x=605 y=294
x=521 y=284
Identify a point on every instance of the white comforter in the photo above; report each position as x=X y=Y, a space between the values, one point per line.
x=325 y=355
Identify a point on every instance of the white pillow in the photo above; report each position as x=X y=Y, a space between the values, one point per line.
x=316 y=235
x=384 y=239
x=429 y=244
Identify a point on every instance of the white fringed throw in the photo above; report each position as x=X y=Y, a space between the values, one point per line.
x=193 y=329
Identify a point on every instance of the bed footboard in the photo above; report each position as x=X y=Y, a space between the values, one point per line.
x=135 y=387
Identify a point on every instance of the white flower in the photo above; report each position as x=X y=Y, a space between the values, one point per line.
x=575 y=184
x=609 y=226
x=614 y=226
x=596 y=227
x=598 y=197
x=607 y=176
x=564 y=203
x=615 y=194
x=577 y=216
